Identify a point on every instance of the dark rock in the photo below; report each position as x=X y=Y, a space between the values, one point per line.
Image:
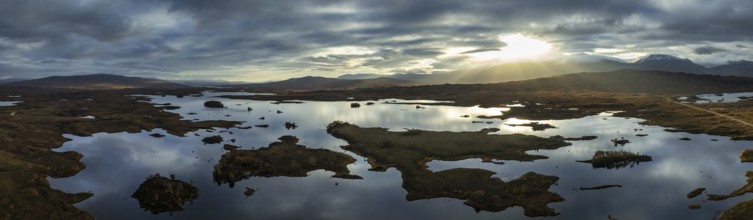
x=157 y=135
x=290 y=125
x=230 y=147
x=213 y=104
x=212 y=140
x=249 y=191
x=695 y=192
x=159 y=194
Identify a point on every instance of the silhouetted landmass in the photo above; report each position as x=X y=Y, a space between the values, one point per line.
x=158 y=194
x=526 y=70
x=283 y=158
x=739 y=68
x=96 y=81
x=409 y=152
x=314 y=83
x=623 y=81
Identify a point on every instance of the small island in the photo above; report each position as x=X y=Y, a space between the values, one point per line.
x=409 y=152
x=283 y=158
x=615 y=159
x=746 y=156
x=213 y=104
x=159 y=194
x=536 y=126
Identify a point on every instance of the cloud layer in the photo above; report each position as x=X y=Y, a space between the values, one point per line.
x=257 y=40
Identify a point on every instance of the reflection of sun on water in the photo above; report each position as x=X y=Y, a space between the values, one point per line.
x=519 y=47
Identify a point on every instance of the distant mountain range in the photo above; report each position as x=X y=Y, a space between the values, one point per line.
x=636 y=81
x=96 y=81
x=109 y=81
x=538 y=69
x=313 y=82
x=495 y=74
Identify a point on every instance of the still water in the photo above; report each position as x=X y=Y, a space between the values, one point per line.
x=724 y=97
x=118 y=163
x=8 y=103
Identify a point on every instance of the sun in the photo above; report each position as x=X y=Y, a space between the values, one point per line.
x=519 y=47
x=523 y=46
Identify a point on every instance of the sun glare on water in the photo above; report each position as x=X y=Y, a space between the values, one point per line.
x=519 y=47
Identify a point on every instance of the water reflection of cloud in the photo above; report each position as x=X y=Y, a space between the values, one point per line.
x=117 y=163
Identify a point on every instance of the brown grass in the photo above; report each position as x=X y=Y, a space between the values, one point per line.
x=284 y=158
x=158 y=194
x=615 y=159
x=28 y=137
x=410 y=151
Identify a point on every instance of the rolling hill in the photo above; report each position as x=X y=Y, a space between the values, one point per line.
x=540 y=69
x=637 y=81
x=96 y=81
x=319 y=83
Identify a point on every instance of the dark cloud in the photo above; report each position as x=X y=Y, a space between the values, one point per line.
x=54 y=21
x=480 y=50
x=705 y=50
x=274 y=39
x=423 y=52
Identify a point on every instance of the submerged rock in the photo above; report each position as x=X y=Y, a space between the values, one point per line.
x=159 y=194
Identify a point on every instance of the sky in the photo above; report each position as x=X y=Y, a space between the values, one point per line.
x=263 y=40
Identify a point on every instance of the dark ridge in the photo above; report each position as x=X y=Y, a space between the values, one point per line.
x=96 y=81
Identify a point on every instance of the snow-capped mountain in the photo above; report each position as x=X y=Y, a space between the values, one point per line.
x=668 y=63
